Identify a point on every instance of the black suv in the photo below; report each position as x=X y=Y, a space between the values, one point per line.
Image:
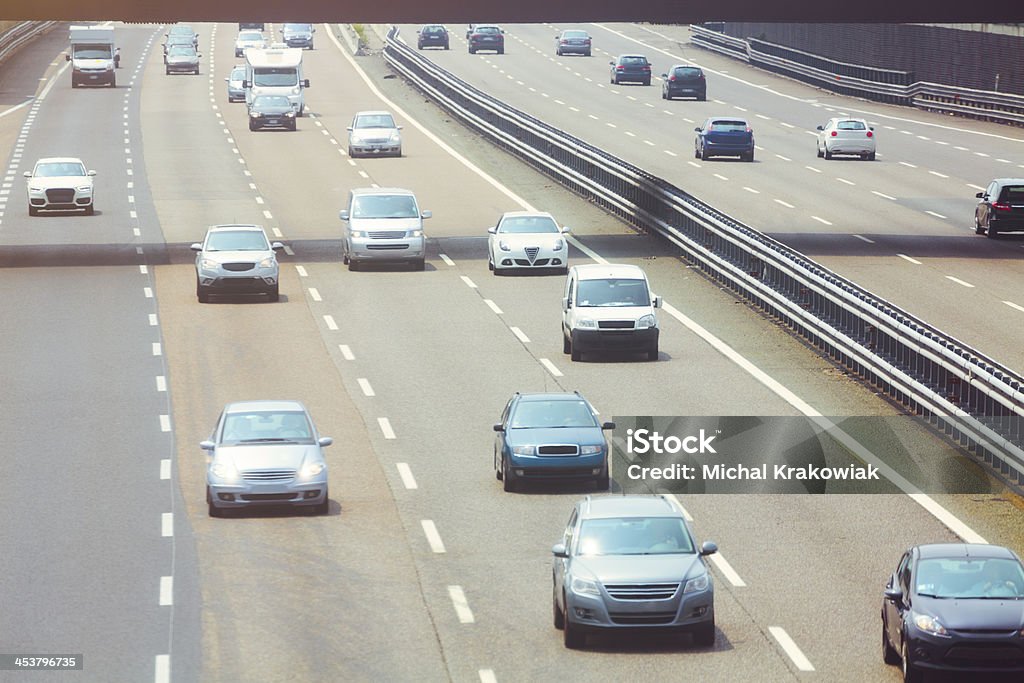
x=1001 y=208
x=684 y=80
x=487 y=37
x=632 y=68
x=432 y=35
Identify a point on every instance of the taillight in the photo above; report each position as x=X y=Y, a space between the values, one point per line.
x=999 y=206
x=749 y=129
x=647 y=68
x=870 y=134
x=563 y=41
x=619 y=67
x=587 y=41
x=834 y=133
x=671 y=78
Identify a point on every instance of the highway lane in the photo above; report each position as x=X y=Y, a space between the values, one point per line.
x=95 y=561
x=855 y=217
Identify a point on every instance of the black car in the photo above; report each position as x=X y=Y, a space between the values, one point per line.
x=550 y=436
x=724 y=136
x=271 y=111
x=956 y=607
x=298 y=35
x=487 y=37
x=1001 y=208
x=683 y=80
x=432 y=35
x=630 y=68
x=573 y=41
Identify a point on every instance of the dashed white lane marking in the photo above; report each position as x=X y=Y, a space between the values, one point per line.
x=630 y=134
x=911 y=260
x=143 y=269
x=161 y=383
x=166 y=590
x=301 y=270
x=937 y=215
x=865 y=239
x=821 y=220
x=1004 y=161
x=469 y=283
x=364 y=385
x=960 y=282
x=784 y=203
x=844 y=180
x=346 y=352
x=461 y=604
x=783 y=158
x=405 y=472
x=447 y=261
x=790 y=648
x=493 y=306
x=719 y=176
x=907 y=164
x=385 y=427
x=165 y=468
x=165 y=423
x=762 y=116
x=787 y=125
x=883 y=195
x=148 y=292
x=157 y=350
x=267 y=214
x=163 y=669
x=550 y=367
x=962 y=149
x=752 y=190
x=670 y=153
x=811 y=168
x=167 y=524
x=727 y=571
x=314 y=294
x=329 y=321
x=433 y=538
x=520 y=335
x=940 y=175
x=694 y=164
x=487 y=676
x=981 y=154
x=1014 y=306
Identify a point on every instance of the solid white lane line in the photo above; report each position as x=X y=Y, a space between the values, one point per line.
x=821 y=220
x=329 y=320
x=165 y=423
x=932 y=213
x=433 y=538
x=301 y=270
x=882 y=195
x=865 y=239
x=960 y=282
x=790 y=648
x=157 y=349
x=784 y=203
x=493 y=306
x=469 y=283
x=405 y=472
x=686 y=514
x=166 y=590
x=727 y=571
x=346 y=352
x=520 y=335
x=1013 y=305
x=167 y=524
x=162 y=673
x=314 y=294
x=165 y=468
x=487 y=676
x=550 y=367
x=461 y=604
x=447 y=261
x=161 y=383
x=385 y=427
x=364 y=384
x=907 y=258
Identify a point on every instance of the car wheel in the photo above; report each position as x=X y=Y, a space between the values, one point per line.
x=510 y=485
x=603 y=482
x=196 y=72
x=446 y=46
x=251 y=126
x=90 y=210
x=817 y=148
x=978 y=230
x=32 y=211
x=702 y=98
x=201 y=295
x=273 y=296
x=212 y=509
x=497 y=468
x=704 y=154
x=294 y=127
x=353 y=265
x=993 y=231
x=472 y=51
x=889 y=654
x=910 y=673
x=501 y=50
x=167 y=71
x=587 y=53
x=652 y=353
x=574 y=352
x=871 y=156
x=351 y=153
x=557 y=613
x=566 y=344
x=696 y=153
x=664 y=94
x=324 y=507
x=704 y=635
x=828 y=154
x=647 y=81
x=573 y=638
x=420 y=264
x=749 y=156
x=398 y=153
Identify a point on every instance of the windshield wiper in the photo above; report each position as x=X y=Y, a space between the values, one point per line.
x=267 y=439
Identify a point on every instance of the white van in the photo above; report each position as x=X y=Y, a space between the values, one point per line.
x=275 y=71
x=92 y=56
x=609 y=307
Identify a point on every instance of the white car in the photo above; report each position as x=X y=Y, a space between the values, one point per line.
x=248 y=39
x=846 y=136
x=60 y=183
x=523 y=239
x=374 y=133
x=236 y=259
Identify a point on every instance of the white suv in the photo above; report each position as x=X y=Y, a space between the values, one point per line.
x=59 y=183
x=236 y=259
x=383 y=224
x=608 y=307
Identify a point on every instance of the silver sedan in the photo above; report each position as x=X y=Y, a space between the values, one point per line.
x=266 y=453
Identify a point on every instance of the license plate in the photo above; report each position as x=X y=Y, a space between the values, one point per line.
x=272 y=122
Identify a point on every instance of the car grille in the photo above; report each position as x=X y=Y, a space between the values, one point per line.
x=375 y=141
x=239 y=267
x=256 y=497
x=568 y=449
x=653 y=618
x=981 y=655
x=616 y=324
x=60 y=195
x=538 y=262
x=386 y=234
x=387 y=247
x=557 y=472
x=531 y=252
x=641 y=591
x=268 y=475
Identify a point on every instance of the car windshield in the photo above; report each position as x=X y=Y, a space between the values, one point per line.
x=851 y=125
x=574 y=34
x=528 y=224
x=686 y=72
x=384 y=206
x=487 y=29
x=297 y=28
x=970 y=578
x=275 y=77
x=236 y=240
x=56 y=169
x=92 y=51
x=181 y=31
x=181 y=51
x=271 y=102
x=433 y=29
x=238 y=73
x=551 y=414
x=729 y=126
x=266 y=427
x=634 y=536
x=633 y=61
x=249 y=36
x=1012 y=194
x=613 y=292
x=374 y=121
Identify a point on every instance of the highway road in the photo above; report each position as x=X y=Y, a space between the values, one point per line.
x=424 y=569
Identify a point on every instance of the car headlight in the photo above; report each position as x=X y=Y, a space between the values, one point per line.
x=208 y=264
x=586 y=323
x=929 y=624
x=35 y=190
x=313 y=469
x=503 y=245
x=395 y=137
x=255 y=114
x=358 y=233
x=696 y=585
x=646 y=322
x=290 y=114
x=415 y=233
x=559 y=243
x=268 y=262
x=524 y=450
x=109 y=67
x=225 y=471
x=582 y=586
x=84 y=188
x=590 y=450
x=295 y=90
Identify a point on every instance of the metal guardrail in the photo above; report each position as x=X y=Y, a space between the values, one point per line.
x=971 y=397
x=20 y=34
x=886 y=85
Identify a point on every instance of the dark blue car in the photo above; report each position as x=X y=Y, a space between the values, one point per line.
x=550 y=436
x=724 y=136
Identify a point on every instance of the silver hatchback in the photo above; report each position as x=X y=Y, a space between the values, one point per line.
x=266 y=453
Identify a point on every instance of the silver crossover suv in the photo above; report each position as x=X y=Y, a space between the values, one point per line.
x=236 y=259
x=266 y=453
x=631 y=562
x=383 y=224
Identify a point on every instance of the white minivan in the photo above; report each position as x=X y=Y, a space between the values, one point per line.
x=609 y=307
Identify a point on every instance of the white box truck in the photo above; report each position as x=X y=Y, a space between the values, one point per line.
x=275 y=71
x=92 y=56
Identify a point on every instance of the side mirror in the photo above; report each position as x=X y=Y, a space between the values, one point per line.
x=91 y=172
x=819 y=128
x=343 y=214
x=207 y=445
x=871 y=127
x=565 y=229
x=67 y=58
x=426 y=213
x=305 y=83
x=708 y=548
x=493 y=230
x=28 y=174
x=246 y=84
x=656 y=302
x=227 y=80
x=566 y=304
x=697 y=129
x=276 y=245
x=196 y=246
x=498 y=428
x=980 y=195
x=325 y=441
x=558 y=550
x=349 y=129
x=608 y=425
x=611 y=63
x=398 y=127
x=894 y=594
x=664 y=75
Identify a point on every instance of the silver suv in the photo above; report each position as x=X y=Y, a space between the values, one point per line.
x=631 y=562
x=236 y=259
x=383 y=224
